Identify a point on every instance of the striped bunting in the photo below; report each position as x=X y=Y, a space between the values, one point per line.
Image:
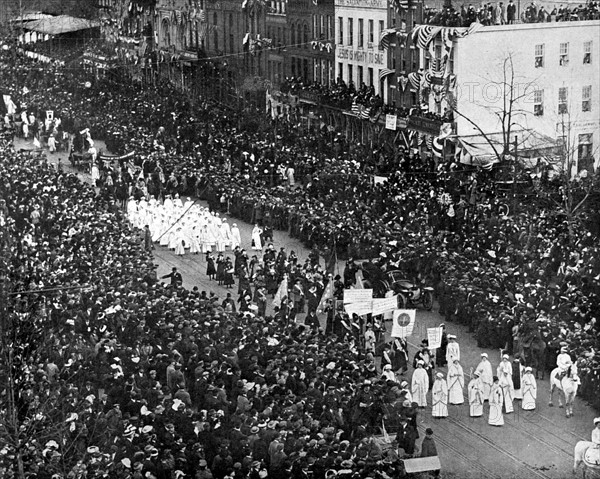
x=360 y=111
x=400 y=5
x=437 y=146
x=415 y=80
x=386 y=37
x=384 y=72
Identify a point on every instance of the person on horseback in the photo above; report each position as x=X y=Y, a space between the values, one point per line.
x=563 y=361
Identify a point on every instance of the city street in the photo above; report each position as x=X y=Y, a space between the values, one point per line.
x=532 y=444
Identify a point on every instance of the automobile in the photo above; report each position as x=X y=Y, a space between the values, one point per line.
x=409 y=293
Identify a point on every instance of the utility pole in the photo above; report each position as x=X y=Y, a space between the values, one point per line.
x=514 y=179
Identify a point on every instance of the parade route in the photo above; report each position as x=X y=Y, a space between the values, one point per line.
x=531 y=444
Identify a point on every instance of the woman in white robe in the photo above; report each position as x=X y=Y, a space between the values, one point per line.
x=496 y=418
x=222 y=239
x=95 y=174
x=180 y=242
x=475 y=390
x=504 y=372
x=456 y=383
x=204 y=238
x=256 y=239
x=131 y=209
x=439 y=397
x=236 y=238
x=193 y=240
x=528 y=389
x=486 y=375
x=420 y=385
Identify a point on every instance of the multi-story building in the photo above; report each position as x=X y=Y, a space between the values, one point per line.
x=555 y=86
x=311 y=48
x=275 y=41
x=360 y=58
x=403 y=56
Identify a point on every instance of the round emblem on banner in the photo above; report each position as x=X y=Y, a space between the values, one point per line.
x=403 y=320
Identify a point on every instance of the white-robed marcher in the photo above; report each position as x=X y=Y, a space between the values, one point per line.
x=193 y=241
x=456 y=383
x=256 y=239
x=475 y=391
x=529 y=389
x=504 y=373
x=388 y=374
x=420 y=384
x=236 y=238
x=496 y=418
x=486 y=374
x=452 y=349
x=222 y=239
x=517 y=379
x=439 y=397
x=131 y=208
x=180 y=242
x=406 y=391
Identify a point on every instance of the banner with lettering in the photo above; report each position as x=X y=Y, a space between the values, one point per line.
x=358 y=296
x=434 y=337
x=383 y=305
x=403 y=323
x=391 y=121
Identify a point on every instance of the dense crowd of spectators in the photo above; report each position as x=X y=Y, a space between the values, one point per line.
x=502 y=13
x=491 y=271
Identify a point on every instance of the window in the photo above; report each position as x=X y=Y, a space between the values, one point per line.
x=562 y=100
x=371 y=33
x=315 y=27
x=381 y=29
x=341 y=70
x=538 y=102
x=371 y=77
x=539 y=56
x=305 y=39
x=215 y=35
x=359 y=78
x=350 y=75
x=584 y=149
x=340 y=31
x=350 y=31
x=564 y=54
x=329 y=29
x=361 y=33
x=586 y=98
x=587 y=53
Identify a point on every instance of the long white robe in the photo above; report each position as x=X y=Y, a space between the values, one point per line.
x=487 y=377
x=452 y=352
x=529 y=390
x=456 y=383
x=518 y=393
x=236 y=238
x=475 y=397
x=439 y=398
x=504 y=373
x=420 y=386
x=496 y=417
x=257 y=243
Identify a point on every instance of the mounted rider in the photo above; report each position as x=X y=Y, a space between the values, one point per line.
x=565 y=364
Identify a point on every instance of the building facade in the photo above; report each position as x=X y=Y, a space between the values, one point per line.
x=359 y=56
x=549 y=70
x=311 y=49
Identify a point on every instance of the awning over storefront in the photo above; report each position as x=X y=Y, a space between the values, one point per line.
x=60 y=24
x=486 y=150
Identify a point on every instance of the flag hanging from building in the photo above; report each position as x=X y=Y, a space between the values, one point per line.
x=282 y=293
x=403 y=323
x=359 y=110
x=384 y=72
x=385 y=38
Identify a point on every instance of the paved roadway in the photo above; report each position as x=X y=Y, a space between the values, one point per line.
x=532 y=444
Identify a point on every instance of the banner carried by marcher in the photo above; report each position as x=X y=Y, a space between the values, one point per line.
x=434 y=337
x=361 y=309
x=281 y=294
x=358 y=296
x=383 y=305
x=403 y=322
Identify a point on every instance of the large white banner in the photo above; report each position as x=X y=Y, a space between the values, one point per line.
x=434 y=337
x=361 y=309
x=358 y=296
x=383 y=305
x=403 y=323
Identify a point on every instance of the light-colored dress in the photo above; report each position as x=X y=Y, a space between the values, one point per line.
x=504 y=373
x=439 y=398
x=529 y=391
x=475 y=397
x=456 y=383
x=486 y=376
x=256 y=241
x=420 y=386
x=496 y=418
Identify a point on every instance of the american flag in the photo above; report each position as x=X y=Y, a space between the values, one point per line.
x=360 y=111
x=386 y=37
x=384 y=72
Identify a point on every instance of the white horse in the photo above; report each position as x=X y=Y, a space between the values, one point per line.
x=568 y=385
x=581 y=448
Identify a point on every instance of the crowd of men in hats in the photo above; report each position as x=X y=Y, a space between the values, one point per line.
x=499 y=274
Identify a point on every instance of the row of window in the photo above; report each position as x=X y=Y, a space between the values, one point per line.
x=361 y=37
x=369 y=79
x=563 y=99
x=563 y=55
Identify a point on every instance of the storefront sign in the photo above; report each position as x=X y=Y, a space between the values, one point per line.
x=361 y=56
x=424 y=125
